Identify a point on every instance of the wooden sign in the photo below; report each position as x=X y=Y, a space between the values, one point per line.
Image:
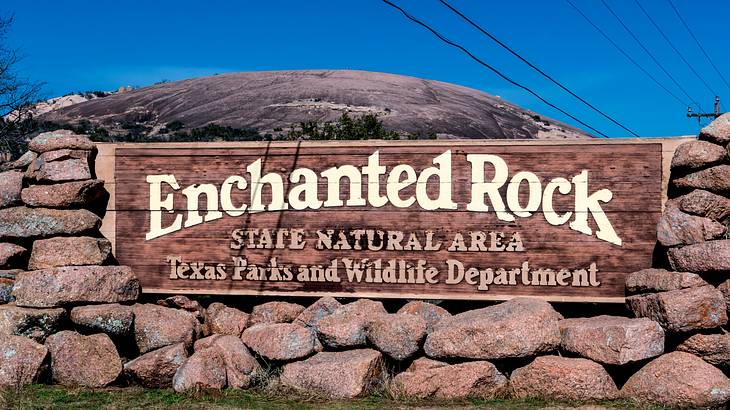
x=421 y=219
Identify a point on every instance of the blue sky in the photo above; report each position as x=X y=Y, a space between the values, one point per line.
x=100 y=45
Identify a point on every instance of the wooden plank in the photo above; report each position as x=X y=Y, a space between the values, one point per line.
x=635 y=171
x=104 y=166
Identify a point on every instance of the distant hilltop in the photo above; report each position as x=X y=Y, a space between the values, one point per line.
x=272 y=102
x=56 y=103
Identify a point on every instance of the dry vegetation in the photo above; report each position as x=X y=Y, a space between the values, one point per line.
x=54 y=397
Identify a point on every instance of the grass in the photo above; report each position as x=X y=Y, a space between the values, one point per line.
x=54 y=397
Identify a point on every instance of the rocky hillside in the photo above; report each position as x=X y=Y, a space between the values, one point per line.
x=271 y=102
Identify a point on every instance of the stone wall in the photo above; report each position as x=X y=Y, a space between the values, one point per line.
x=70 y=316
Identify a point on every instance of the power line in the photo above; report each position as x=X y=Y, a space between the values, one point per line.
x=646 y=50
x=625 y=54
x=674 y=48
x=494 y=70
x=556 y=82
x=698 y=43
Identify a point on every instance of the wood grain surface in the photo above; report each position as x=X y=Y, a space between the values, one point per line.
x=633 y=171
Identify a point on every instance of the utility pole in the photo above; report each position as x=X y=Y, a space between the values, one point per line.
x=716 y=112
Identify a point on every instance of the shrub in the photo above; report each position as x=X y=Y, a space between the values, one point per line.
x=176 y=125
x=365 y=127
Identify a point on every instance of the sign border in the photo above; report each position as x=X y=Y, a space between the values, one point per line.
x=105 y=169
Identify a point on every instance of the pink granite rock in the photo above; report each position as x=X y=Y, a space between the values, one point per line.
x=427 y=378
x=660 y=280
x=21 y=163
x=60 y=166
x=678 y=379
x=65 y=195
x=612 y=339
x=565 y=379
x=697 y=154
x=60 y=139
x=204 y=370
x=715 y=179
x=158 y=326
x=156 y=369
x=347 y=326
x=520 y=327
x=242 y=369
x=724 y=288
x=274 y=312
x=21 y=222
x=184 y=303
x=11 y=183
x=429 y=312
x=714 y=349
x=705 y=257
x=218 y=361
x=88 y=361
x=281 y=341
x=75 y=285
x=336 y=375
x=10 y=254
x=36 y=324
x=707 y=204
x=317 y=311
x=682 y=310
x=398 y=336
x=223 y=320
x=113 y=319
x=69 y=251
x=21 y=361
x=678 y=228
x=718 y=131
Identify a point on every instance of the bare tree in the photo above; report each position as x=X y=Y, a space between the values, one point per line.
x=17 y=94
